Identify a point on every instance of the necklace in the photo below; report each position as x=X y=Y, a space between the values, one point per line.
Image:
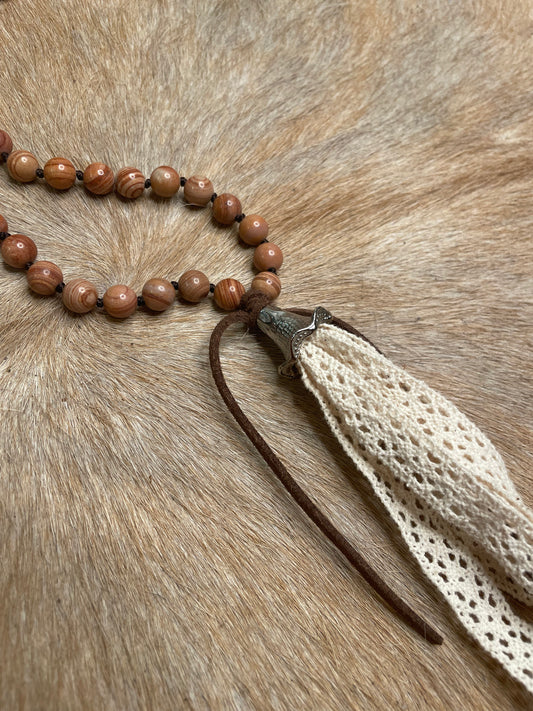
x=439 y=477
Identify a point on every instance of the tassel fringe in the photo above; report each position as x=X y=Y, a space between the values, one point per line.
x=441 y=480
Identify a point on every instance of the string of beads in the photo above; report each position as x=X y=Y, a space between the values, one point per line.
x=79 y=295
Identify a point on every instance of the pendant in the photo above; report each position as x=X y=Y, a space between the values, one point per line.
x=437 y=474
x=439 y=477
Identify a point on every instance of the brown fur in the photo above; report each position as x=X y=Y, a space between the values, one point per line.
x=149 y=559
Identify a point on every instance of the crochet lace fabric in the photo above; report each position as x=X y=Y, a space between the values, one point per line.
x=442 y=481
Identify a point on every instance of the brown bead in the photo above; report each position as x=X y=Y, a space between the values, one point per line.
x=198 y=190
x=253 y=230
x=130 y=183
x=226 y=207
x=120 y=301
x=22 y=166
x=267 y=256
x=193 y=286
x=3 y=224
x=18 y=250
x=59 y=173
x=98 y=178
x=164 y=181
x=158 y=294
x=268 y=283
x=6 y=144
x=79 y=295
x=43 y=277
x=228 y=293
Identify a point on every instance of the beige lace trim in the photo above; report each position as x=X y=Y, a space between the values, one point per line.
x=442 y=481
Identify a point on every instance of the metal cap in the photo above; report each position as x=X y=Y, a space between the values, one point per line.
x=289 y=330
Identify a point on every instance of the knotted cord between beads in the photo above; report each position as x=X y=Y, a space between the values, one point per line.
x=251 y=304
x=120 y=301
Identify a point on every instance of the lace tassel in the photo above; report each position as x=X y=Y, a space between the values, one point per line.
x=441 y=480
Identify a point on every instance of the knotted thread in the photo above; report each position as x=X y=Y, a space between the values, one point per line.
x=251 y=304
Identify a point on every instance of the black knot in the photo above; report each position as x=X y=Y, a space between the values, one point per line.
x=252 y=302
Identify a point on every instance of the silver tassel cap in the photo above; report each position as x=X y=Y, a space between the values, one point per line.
x=289 y=330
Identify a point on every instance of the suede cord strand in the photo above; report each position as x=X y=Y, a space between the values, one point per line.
x=251 y=303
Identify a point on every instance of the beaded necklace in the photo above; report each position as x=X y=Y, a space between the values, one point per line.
x=436 y=473
x=120 y=301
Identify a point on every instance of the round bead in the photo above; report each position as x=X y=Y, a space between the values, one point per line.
x=226 y=207
x=268 y=283
x=267 y=256
x=43 y=277
x=164 y=181
x=228 y=293
x=98 y=178
x=130 y=183
x=193 y=286
x=59 y=173
x=253 y=230
x=3 y=224
x=6 y=144
x=198 y=190
x=120 y=301
x=158 y=294
x=18 y=250
x=79 y=295
x=22 y=166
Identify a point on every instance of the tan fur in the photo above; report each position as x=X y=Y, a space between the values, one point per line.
x=149 y=559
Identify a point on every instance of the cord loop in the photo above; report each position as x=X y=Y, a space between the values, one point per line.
x=252 y=301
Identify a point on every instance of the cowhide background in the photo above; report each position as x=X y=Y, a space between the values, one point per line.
x=150 y=560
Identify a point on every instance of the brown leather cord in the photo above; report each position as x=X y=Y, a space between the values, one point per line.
x=251 y=304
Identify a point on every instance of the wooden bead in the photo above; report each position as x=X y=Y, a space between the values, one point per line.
x=226 y=207
x=164 y=181
x=43 y=277
x=6 y=144
x=79 y=296
x=158 y=294
x=130 y=183
x=3 y=224
x=22 y=166
x=98 y=178
x=193 y=286
x=120 y=301
x=253 y=230
x=198 y=191
x=18 y=250
x=267 y=256
x=268 y=283
x=59 y=173
x=228 y=293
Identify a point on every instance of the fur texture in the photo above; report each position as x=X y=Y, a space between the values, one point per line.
x=149 y=560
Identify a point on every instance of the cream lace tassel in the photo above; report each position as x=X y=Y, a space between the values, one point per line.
x=442 y=481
